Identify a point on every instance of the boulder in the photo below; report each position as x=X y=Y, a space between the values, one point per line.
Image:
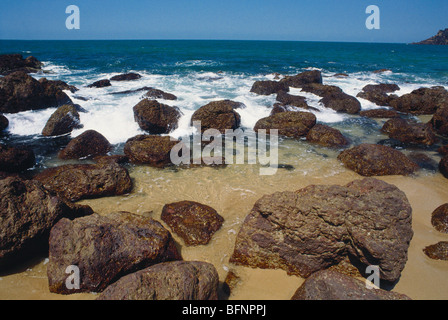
x=409 y=132
x=443 y=150
x=4 y=123
x=155 y=117
x=28 y=211
x=277 y=108
x=378 y=93
x=332 y=285
x=100 y=84
x=88 y=144
x=379 y=113
x=268 y=87
x=126 y=77
x=60 y=84
x=150 y=149
x=62 y=121
x=438 y=251
x=117 y=159
x=105 y=248
x=377 y=160
x=194 y=222
x=177 y=280
x=307 y=77
x=10 y=63
x=291 y=100
x=422 y=101
x=439 y=218
x=439 y=121
x=219 y=115
x=326 y=136
x=290 y=123
x=20 y=92
x=86 y=181
x=382 y=71
x=16 y=159
x=443 y=166
x=159 y=94
x=317 y=227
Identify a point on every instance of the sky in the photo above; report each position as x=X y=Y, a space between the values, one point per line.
x=401 y=21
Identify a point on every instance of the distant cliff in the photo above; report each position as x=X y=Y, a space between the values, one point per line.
x=440 y=38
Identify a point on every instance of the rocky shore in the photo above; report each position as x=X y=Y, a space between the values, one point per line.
x=306 y=232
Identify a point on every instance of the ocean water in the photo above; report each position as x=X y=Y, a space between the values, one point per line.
x=199 y=72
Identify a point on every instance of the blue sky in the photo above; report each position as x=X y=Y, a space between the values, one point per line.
x=402 y=21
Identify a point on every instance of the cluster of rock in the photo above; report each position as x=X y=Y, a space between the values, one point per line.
x=439 y=220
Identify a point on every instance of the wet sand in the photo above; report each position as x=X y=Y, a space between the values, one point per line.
x=232 y=191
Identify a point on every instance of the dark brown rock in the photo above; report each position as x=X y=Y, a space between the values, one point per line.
x=443 y=150
x=117 y=159
x=10 y=63
x=100 y=84
x=290 y=124
x=27 y=213
x=105 y=248
x=86 y=181
x=150 y=149
x=423 y=161
x=126 y=77
x=87 y=144
x=178 y=280
x=291 y=100
x=60 y=84
x=382 y=71
x=16 y=159
x=4 y=123
x=377 y=160
x=438 y=251
x=194 y=222
x=155 y=117
x=378 y=93
x=219 y=115
x=443 y=166
x=268 y=87
x=332 y=285
x=316 y=227
x=422 y=101
x=440 y=121
x=307 y=77
x=409 y=132
x=62 y=121
x=439 y=218
x=326 y=136
x=379 y=113
x=159 y=94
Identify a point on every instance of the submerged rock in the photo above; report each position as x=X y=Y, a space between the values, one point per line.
x=377 y=160
x=422 y=101
x=219 y=115
x=438 y=251
x=424 y=161
x=10 y=63
x=317 y=227
x=332 y=285
x=304 y=78
x=100 y=84
x=326 y=136
x=150 y=149
x=194 y=222
x=155 y=117
x=16 y=159
x=268 y=87
x=290 y=123
x=62 y=121
x=409 y=132
x=88 y=144
x=379 y=113
x=178 y=280
x=439 y=218
x=105 y=248
x=126 y=77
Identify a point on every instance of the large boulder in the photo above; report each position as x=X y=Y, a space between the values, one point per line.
x=333 y=285
x=85 y=181
x=326 y=136
x=439 y=218
x=219 y=115
x=28 y=211
x=378 y=93
x=150 y=149
x=10 y=63
x=4 y=123
x=194 y=222
x=439 y=122
x=62 y=121
x=105 y=248
x=443 y=166
x=304 y=78
x=377 y=160
x=126 y=77
x=422 y=101
x=177 y=280
x=88 y=144
x=409 y=132
x=155 y=117
x=290 y=123
x=317 y=227
x=21 y=92
x=268 y=87
x=16 y=159
x=292 y=100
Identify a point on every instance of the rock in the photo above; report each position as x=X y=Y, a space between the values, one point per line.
x=421 y=101
x=441 y=38
x=62 y=121
x=117 y=159
x=277 y=108
x=439 y=122
x=268 y=87
x=219 y=115
x=377 y=160
x=86 y=181
x=443 y=166
x=105 y=248
x=16 y=159
x=409 y=132
x=230 y=283
x=126 y=77
x=100 y=84
x=159 y=94
x=317 y=227
x=332 y=285
x=290 y=123
x=133 y=90
x=88 y=144
x=423 y=161
x=150 y=149
x=378 y=93
x=155 y=117
x=321 y=90
x=10 y=63
x=443 y=150
x=194 y=222
x=295 y=101
x=178 y=280
x=307 y=77
x=439 y=218
x=28 y=212
x=59 y=84
x=438 y=251
x=4 y=123
x=379 y=113
x=326 y=136
x=20 y=92
x=340 y=75
x=382 y=71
